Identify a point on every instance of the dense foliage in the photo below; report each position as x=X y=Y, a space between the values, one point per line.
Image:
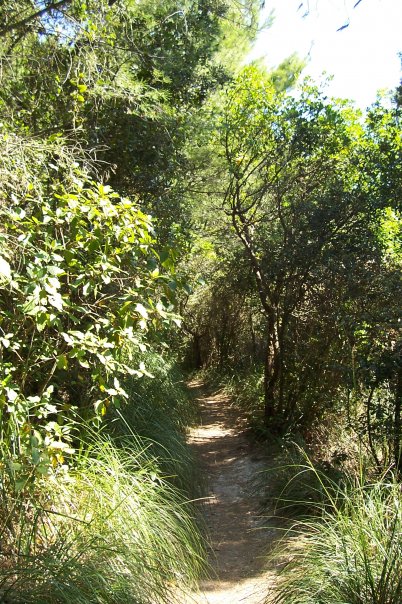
x=92 y=92
x=304 y=253
x=96 y=107
x=159 y=203
x=350 y=553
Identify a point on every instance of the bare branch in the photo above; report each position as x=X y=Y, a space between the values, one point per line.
x=40 y=13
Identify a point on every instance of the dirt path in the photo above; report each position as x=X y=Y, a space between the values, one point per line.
x=238 y=542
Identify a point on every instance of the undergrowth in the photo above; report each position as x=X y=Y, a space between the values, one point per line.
x=245 y=388
x=160 y=411
x=113 y=530
x=118 y=526
x=292 y=486
x=349 y=551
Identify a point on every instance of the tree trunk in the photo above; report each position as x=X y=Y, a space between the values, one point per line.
x=197 y=355
x=253 y=352
x=271 y=374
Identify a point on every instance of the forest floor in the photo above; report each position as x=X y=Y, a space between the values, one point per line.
x=239 y=536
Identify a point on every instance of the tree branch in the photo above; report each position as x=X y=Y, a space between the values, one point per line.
x=23 y=22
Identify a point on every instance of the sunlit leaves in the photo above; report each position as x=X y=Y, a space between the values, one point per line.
x=5 y=270
x=306 y=185
x=390 y=234
x=81 y=285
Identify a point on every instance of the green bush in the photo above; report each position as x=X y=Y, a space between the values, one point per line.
x=81 y=286
x=111 y=530
x=245 y=387
x=351 y=554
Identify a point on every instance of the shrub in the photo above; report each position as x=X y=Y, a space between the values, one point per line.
x=111 y=530
x=79 y=288
x=351 y=554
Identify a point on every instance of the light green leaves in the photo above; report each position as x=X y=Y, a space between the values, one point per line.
x=88 y=286
x=390 y=235
x=5 y=271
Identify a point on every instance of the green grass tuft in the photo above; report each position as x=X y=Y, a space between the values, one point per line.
x=350 y=554
x=159 y=410
x=113 y=531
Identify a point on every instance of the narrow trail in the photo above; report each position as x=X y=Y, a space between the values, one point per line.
x=239 y=543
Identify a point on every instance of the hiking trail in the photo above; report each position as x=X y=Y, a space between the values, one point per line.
x=239 y=542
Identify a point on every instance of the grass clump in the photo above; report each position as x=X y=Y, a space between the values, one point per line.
x=159 y=410
x=111 y=531
x=350 y=554
x=293 y=486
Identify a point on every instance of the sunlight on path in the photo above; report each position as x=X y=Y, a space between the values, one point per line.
x=239 y=543
x=251 y=591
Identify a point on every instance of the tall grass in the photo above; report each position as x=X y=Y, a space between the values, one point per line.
x=159 y=410
x=112 y=531
x=118 y=527
x=293 y=486
x=351 y=553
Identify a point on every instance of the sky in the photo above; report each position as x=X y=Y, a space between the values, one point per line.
x=362 y=58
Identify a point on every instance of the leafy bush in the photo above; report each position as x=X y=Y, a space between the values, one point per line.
x=82 y=293
x=80 y=288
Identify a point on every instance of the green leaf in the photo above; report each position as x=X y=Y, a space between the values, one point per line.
x=43 y=468
x=35 y=455
x=21 y=483
x=59 y=445
x=5 y=270
x=31 y=307
x=144 y=371
x=62 y=362
x=42 y=320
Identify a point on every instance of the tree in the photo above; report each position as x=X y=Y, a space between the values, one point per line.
x=92 y=93
x=374 y=331
x=123 y=79
x=298 y=201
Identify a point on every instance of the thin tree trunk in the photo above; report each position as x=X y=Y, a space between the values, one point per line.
x=369 y=427
x=253 y=355
x=197 y=356
x=271 y=373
